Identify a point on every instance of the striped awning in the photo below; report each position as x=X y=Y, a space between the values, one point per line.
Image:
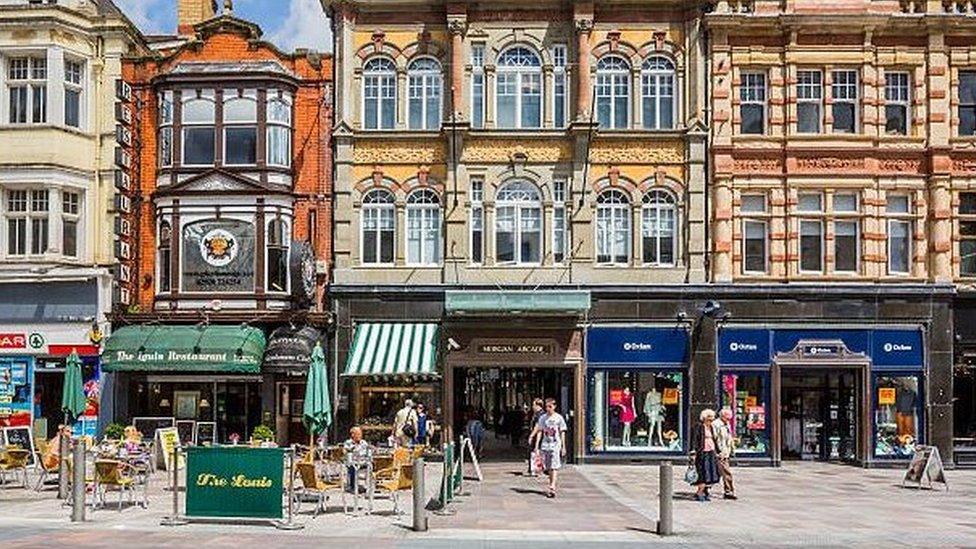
x=392 y=348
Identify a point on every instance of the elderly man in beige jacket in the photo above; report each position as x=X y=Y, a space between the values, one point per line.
x=725 y=447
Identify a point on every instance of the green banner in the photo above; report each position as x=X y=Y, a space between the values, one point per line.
x=230 y=481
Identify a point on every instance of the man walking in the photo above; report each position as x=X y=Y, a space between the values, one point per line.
x=725 y=444
x=405 y=424
x=551 y=441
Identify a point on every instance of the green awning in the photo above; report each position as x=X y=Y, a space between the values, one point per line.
x=516 y=301
x=389 y=348
x=224 y=349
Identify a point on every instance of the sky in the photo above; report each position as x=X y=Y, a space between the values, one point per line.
x=289 y=24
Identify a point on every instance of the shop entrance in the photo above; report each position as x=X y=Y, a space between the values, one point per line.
x=819 y=412
x=501 y=398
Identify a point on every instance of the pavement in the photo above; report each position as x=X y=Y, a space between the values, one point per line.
x=799 y=504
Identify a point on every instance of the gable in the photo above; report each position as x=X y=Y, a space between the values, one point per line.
x=220 y=182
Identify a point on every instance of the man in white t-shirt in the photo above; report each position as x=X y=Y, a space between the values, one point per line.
x=551 y=442
x=405 y=424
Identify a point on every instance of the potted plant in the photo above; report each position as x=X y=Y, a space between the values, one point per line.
x=263 y=435
x=115 y=431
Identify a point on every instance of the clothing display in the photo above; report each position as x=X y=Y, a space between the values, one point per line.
x=654 y=410
x=627 y=414
x=793 y=435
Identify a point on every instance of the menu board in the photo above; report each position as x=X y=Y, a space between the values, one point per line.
x=206 y=433
x=147 y=425
x=186 y=429
x=21 y=437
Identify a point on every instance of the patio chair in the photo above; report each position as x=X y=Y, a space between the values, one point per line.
x=111 y=474
x=393 y=480
x=47 y=469
x=312 y=485
x=12 y=460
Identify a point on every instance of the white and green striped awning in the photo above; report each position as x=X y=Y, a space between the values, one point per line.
x=393 y=348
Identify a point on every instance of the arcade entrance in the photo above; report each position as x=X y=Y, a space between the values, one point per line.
x=819 y=415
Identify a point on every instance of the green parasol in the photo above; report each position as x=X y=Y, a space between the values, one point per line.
x=317 y=413
x=73 y=400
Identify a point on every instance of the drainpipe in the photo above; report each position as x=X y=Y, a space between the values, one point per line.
x=708 y=160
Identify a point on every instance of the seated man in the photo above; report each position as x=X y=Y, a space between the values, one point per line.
x=358 y=453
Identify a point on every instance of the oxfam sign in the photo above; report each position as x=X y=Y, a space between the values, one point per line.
x=234 y=482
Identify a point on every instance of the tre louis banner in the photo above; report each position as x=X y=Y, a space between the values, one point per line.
x=234 y=482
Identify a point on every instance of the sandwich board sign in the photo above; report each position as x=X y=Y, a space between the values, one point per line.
x=926 y=465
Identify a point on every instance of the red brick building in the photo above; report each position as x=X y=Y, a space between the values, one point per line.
x=230 y=190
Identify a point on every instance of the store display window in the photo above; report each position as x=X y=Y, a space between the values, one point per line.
x=746 y=395
x=897 y=415
x=637 y=411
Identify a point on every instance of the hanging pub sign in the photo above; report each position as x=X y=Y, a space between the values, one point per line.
x=302 y=266
x=218 y=256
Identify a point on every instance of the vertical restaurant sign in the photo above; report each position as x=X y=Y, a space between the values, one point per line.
x=218 y=256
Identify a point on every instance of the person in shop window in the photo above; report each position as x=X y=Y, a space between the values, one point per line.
x=725 y=447
x=358 y=454
x=551 y=441
x=703 y=453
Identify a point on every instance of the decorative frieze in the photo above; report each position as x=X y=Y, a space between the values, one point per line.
x=530 y=150
x=637 y=152
x=399 y=152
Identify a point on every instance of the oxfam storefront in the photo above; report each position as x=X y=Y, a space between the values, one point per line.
x=191 y=374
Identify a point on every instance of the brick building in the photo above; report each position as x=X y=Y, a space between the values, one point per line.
x=231 y=194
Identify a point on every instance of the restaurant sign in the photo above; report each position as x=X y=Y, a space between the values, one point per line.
x=218 y=256
x=234 y=482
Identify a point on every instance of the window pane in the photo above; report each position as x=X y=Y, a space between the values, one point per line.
x=559 y=100
x=845 y=246
x=17 y=236
x=69 y=237
x=241 y=145
x=896 y=119
x=896 y=416
x=967 y=87
x=277 y=269
x=967 y=203
x=753 y=119
x=279 y=146
x=843 y=117
x=755 y=246
x=369 y=246
x=39 y=236
x=753 y=203
x=18 y=105
x=531 y=100
x=845 y=202
x=506 y=96
x=898 y=246
x=198 y=145
x=72 y=108
x=240 y=110
x=166 y=146
x=198 y=111
x=811 y=253
x=897 y=204
x=477 y=100
x=967 y=249
x=386 y=245
x=654 y=397
x=808 y=117
x=745 y=395
x=811 y=202
x=477 y=235
x=164 y=270
x=967 y=120
x=39 y=104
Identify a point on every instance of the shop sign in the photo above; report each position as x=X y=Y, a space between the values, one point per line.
x=886 y=396
x=13 y=341
x=743 y=346
x=515 y=349
x=218 y=256
x=609 y=346
x=179 y=355
x=898 y=348
x=229 y=482
x=45 y=339
x=822 y=350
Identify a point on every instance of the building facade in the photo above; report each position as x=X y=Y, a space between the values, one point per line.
x=501 y=170
x=231 y=200
x=839 y=140
x=58 y=65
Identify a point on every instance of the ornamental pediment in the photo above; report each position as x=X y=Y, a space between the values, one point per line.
x=220 y=182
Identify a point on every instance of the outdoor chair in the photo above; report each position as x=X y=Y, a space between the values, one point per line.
x=394 y=480
x=47 y=470
x=112 y=474
x=313 y=486
x=13 y=460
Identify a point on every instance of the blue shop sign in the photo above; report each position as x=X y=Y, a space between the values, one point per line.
x=743 y=347
x=856 y=341
x=897 y=349
x=628 y=346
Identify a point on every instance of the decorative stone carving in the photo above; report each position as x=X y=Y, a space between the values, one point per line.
x=829 y=163
x=900 y=165
x=584 y=25
x=398 y=152
x=456 y=25
x=757 y=165
x=637 y=152
x=530 y=150
x=966 y=165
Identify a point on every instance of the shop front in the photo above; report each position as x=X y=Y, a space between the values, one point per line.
x=387 y=364
x=636 y=384
x=964 y=381
x=208 y=374
x=285 y=368
x=844 y=395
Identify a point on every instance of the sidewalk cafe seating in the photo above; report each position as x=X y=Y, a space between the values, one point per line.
x=47 y=468
x=313 y=486
x=397 y=477
x=14 y=459
x=112 y=474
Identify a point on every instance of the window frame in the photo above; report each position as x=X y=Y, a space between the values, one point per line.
x=758 y=217
x=477 y=222
x=381 y=208
x=810 y=217
x=818 y=102
x=899 y=218
x=968 y=103
x=670 y=203
x=560 y=222
x=75 y=217
x=75 y=86
x=520 y=207
x=653 y=77
x=425 y=204
x=197 y=95
x=229 y=96
x=385 y=80
x=849 y=216
x=30 y=83
x=520 y=72
x=854 y=102
x=164 y=245
x=478 y=83
x=610 y=80
x=271 y=125
x=747 y=93
x=430 y=79
x=283 y=246
x=619 y=208
x=166 y=122
x=560 y=86
x=896 y=88
x=966 y=218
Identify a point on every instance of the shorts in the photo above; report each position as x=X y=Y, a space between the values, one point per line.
x=551 y=460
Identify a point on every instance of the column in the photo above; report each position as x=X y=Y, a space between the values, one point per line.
x=584 y=88
x=941 y=228
x=722 y=267
x=456 y=27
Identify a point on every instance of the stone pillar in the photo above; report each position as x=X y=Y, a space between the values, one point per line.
x=584 y=92
x=941 y=228
x=722 y=216
x=344 y=19
x=457 y=26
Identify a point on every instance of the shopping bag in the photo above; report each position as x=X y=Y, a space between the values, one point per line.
x=535 y=462
x=691 y=475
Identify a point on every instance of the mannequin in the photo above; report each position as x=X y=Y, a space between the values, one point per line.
x=654 y=410
x=627 y=414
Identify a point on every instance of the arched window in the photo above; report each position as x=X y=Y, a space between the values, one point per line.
x=279 y=128
x=518 y=89
x=278 y=241
x=378 y=227
x=240 y=127
x=199 y=119
x=423 y=228
x=379 y=94
x=613 y=92
x=657 y=93
x=424 y=83
x=518 y=223
x=164 y=260
x=658 y=224
x=612 y=228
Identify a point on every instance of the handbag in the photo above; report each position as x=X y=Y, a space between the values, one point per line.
x=691 y=474
x=535 y=462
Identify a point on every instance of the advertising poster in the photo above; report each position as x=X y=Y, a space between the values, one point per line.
x=15 y=393
x=671 y=396
x=886 y=396
x=755 y=418
x=218 y=256
x=616 y=397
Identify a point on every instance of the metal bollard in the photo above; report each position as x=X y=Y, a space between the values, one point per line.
x=78 y=482
x=62 y=466
x=175 y=519
x=419 y=495
x=665 y=521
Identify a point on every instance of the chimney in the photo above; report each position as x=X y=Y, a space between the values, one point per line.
x=191 y=12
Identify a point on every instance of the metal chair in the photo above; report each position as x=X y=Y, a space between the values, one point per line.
x=314 y=486
x=12 y=460
x=111 y=474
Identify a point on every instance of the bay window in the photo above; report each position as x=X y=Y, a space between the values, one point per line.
x=240 y=127
x=613 y=92
x=378 y=228
x=613 y=228
x=518 y=91
x=423 y=228
x=279 y=128
x=518 y=224
x=27 y=90
x=199 y=122
x=424 y=84
x=658 y=222
x=42 y=221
